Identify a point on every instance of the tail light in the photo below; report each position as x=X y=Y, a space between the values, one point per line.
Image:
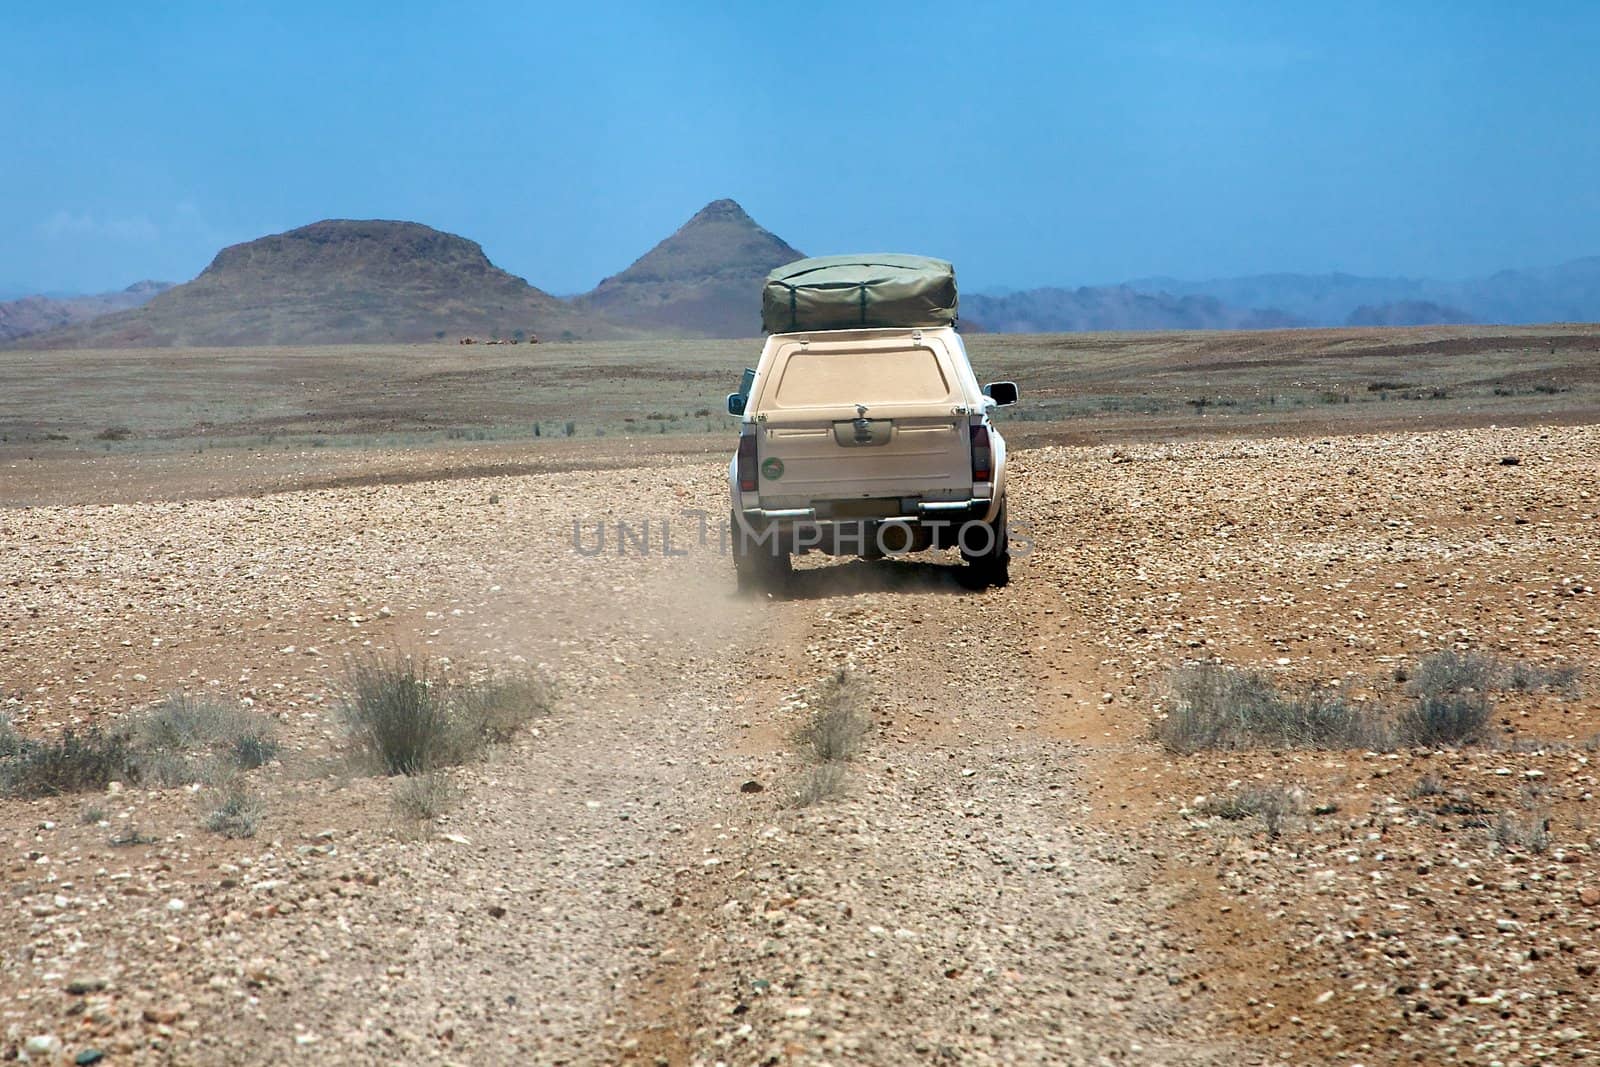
x=747 y=463
x=982 y=465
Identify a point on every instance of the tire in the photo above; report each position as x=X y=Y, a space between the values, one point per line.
x=758 y=566
x=991 y=567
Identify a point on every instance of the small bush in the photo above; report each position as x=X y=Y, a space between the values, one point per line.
x=1527 y=677
x=237 y=811
x=73 y=763
x=114 y=433
x=1216 y=708
x=10 y=743
x=94 y=815
x=398 y=715
x=822 y=782
x=186 y=737
x=424 y=797
x=1528 y=831
x=1454 y=672
x=840 y=721
x=498 y=708
x=253 y=750
x=1272 y=804
x=1444 y=720
x=1452 y=700
x=411 y=723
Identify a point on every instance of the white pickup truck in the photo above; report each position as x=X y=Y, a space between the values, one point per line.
x=871 y=443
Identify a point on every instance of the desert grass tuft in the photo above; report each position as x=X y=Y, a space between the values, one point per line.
x=236 y=809
x=1450 y=671
x=1446 y=703
x=1273 y=805
x=1452 y=700
x=832 y=735
x=397 y=713
x=423 y=798
x=839 y=721
x=195 y=737
x=822 y=782
x=72 y=763
x=1217 y=708
x=1527 y=831
x=409 y=720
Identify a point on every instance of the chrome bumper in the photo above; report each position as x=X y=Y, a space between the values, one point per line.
x=977 y=507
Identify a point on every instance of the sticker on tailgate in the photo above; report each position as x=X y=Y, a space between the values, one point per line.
x=772 y=469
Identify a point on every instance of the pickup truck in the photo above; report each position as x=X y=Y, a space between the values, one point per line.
x=871 y=443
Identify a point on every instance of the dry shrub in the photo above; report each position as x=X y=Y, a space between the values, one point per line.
x=410 y=721
x=423 y=798
x=1274 y=805
x=1214 y=707
x=1217 y=708
x=498 y=708
x=839 y=721
x=73 y=763
x=822 y=782
x=189 y=737
x=236 y=810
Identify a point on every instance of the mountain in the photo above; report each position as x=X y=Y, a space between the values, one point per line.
x=37 y=314
x=1406 y=313
x=333 y=282
x=1315 y=299
x=1568 y=292
x=1111 y=307
x=703 y=281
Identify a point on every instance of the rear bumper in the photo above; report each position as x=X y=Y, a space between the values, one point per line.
x=939 y=524
x=976 y=509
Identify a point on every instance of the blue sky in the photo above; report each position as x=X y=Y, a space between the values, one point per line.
x=1032 y=144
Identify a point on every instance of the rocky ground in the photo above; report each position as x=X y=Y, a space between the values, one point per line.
x=1013 y=871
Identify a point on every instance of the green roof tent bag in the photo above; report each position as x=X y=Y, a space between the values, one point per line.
x=858 y=292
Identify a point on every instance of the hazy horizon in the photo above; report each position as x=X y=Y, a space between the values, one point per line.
x=1067 y=146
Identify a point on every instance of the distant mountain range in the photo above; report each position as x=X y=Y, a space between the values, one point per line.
x=344 y=281
x=1110 y=307
x=38 y=314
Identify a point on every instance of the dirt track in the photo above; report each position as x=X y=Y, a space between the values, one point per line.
x=1014 y=873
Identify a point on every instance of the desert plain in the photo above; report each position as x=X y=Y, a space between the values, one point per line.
x=1019 y=861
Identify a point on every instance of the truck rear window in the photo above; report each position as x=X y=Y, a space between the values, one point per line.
x=818 y=379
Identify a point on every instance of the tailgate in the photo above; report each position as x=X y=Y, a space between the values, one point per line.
x=919 y=456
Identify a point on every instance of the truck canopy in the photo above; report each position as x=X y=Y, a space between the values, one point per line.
x=859 y=292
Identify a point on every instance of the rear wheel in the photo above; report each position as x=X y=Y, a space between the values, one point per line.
x=761 y=566
x=985 y=550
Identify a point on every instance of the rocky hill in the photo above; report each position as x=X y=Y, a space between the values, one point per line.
x=338 y=281
x=38 y=314
x=703 y=281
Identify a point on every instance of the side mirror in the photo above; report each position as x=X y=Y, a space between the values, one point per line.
x=1004 y=394
x=736 y=402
